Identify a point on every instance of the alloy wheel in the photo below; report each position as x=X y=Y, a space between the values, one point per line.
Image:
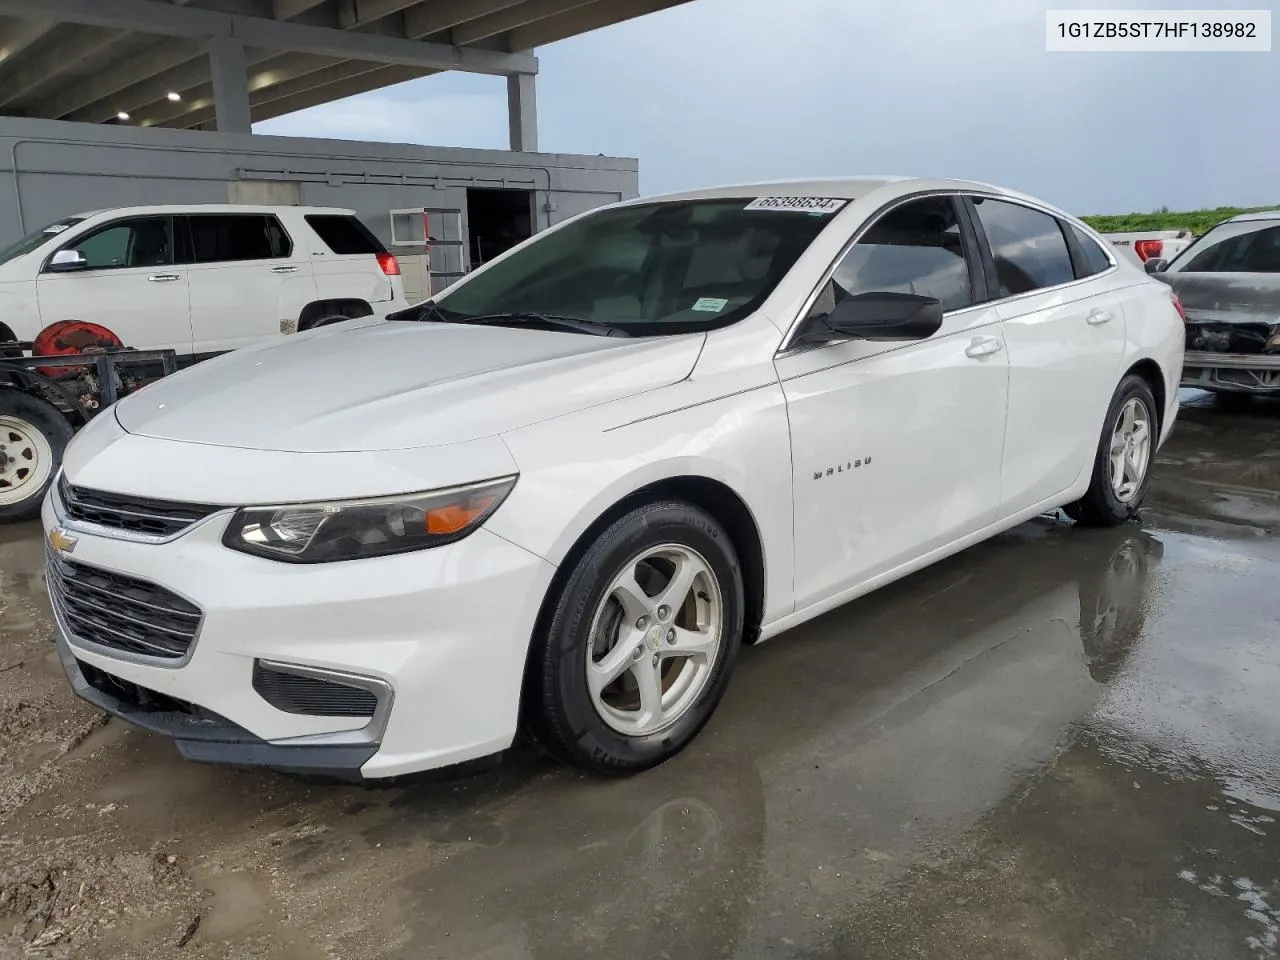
x=654 y=639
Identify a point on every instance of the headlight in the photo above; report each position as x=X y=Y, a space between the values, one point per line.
x=355 y=529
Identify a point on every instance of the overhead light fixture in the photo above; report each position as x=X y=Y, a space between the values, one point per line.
x=174 y=96
x=122 y=115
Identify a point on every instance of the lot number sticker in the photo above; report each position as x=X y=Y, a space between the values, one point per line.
x=822 y=206
x=710 y=304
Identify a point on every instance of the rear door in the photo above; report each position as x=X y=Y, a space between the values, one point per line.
x=129 y=284
x=350 y=263
x=1065 y=332
x=247 y=279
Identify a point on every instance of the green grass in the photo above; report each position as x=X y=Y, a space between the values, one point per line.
x=1197 y=221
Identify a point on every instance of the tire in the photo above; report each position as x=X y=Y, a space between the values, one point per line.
x=600 y=732
x=1101 y=506
x=33 y=436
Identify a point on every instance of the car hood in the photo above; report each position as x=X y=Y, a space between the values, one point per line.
x=1227 y=297
x=399 y=385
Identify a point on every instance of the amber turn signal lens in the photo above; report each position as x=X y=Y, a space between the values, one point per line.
x=456 y=517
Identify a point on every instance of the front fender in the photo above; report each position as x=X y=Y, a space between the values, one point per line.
x=574 y=469
x=18 y=311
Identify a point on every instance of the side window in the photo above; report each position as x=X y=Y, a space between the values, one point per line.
x=222 y=238
x=1095 y=258
x=144 y=242
x=344 y=234
x=1029 y=249
x=914 y=248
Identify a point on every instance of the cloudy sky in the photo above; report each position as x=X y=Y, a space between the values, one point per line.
x=719 y=91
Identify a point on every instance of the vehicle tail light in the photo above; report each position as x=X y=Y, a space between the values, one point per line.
x=1146 y=249
x=1177 y=305
x=389 y=264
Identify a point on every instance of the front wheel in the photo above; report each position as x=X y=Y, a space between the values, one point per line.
x=1122 y=466
x=638 y=648
x=33 y=434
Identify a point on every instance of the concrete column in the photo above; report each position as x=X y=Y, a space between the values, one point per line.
x=230 y=85
x=522 y=112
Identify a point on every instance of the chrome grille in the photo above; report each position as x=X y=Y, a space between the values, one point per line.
x=118 y=511
x=121 y=612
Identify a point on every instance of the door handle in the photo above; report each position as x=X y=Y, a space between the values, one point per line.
x=163 y=277
x=284 y=269
x=983 y=347
x=1097 y=317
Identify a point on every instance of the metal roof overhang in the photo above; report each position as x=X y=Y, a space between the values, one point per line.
x=89 y=60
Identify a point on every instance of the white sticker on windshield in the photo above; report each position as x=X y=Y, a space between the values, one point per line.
x=819 y=205
x=710 y=304
x=56 y=228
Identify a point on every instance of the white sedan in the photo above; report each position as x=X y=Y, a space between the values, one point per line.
x=560 y=497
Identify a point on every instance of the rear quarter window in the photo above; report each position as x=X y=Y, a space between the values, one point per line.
x=344 y=235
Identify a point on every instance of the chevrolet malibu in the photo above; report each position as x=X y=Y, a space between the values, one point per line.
x=560 y=496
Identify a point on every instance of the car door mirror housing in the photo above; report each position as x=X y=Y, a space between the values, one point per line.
x=877 y=316
x=64 y=261
x=1155 y=265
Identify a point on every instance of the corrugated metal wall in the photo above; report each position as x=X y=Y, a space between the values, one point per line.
x=56 y=169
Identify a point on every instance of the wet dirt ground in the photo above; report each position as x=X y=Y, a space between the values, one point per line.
x=1062 y=743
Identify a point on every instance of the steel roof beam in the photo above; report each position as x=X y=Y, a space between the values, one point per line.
x=149 y=16
x=51 y=60
x=21 y=35
x=429 y=18
x=601 y=13
x=522 y=15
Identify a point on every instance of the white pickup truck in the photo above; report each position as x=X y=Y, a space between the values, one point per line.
x=1150 y=244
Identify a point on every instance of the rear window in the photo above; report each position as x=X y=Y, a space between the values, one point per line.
x=344 y=235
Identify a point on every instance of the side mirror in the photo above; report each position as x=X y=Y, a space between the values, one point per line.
x=1155 y=265
x=877 y=316
x=64 y=261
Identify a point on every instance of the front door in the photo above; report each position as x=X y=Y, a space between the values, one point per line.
x=1066 y=343
x=896 y=446
x=129 y=284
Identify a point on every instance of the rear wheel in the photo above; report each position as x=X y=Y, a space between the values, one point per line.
x=33 y=435
x=640 y=644
x=1122 y=465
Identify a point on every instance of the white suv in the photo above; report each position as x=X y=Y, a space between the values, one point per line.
x=201 y=279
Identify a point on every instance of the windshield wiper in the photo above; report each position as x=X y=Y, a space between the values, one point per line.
x=576 y=324
x=423 y=312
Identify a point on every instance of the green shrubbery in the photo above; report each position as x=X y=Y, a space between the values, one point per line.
x=1197 y=221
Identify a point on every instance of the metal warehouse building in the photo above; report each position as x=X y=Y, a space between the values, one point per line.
x=109 y=103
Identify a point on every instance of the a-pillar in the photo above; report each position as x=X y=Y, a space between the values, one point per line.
x=230 y=85
x=522 y=112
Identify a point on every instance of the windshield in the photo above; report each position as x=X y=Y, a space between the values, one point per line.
x=648 y=269
x=1242 y=246
x=33 y=240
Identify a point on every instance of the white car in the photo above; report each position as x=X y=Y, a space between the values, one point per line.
x=200 y=279
x=1150 y=244
x=560 y=496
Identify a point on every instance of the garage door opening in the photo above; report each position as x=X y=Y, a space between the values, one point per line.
x=497 y=221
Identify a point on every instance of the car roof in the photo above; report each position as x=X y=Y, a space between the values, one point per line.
x=844 y=188
x=214 y=208
x=1258 y=215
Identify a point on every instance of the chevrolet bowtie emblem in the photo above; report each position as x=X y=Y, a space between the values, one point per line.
x=60 y=541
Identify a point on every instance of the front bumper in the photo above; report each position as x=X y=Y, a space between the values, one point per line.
x=1245 y=372
x=443 y=632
